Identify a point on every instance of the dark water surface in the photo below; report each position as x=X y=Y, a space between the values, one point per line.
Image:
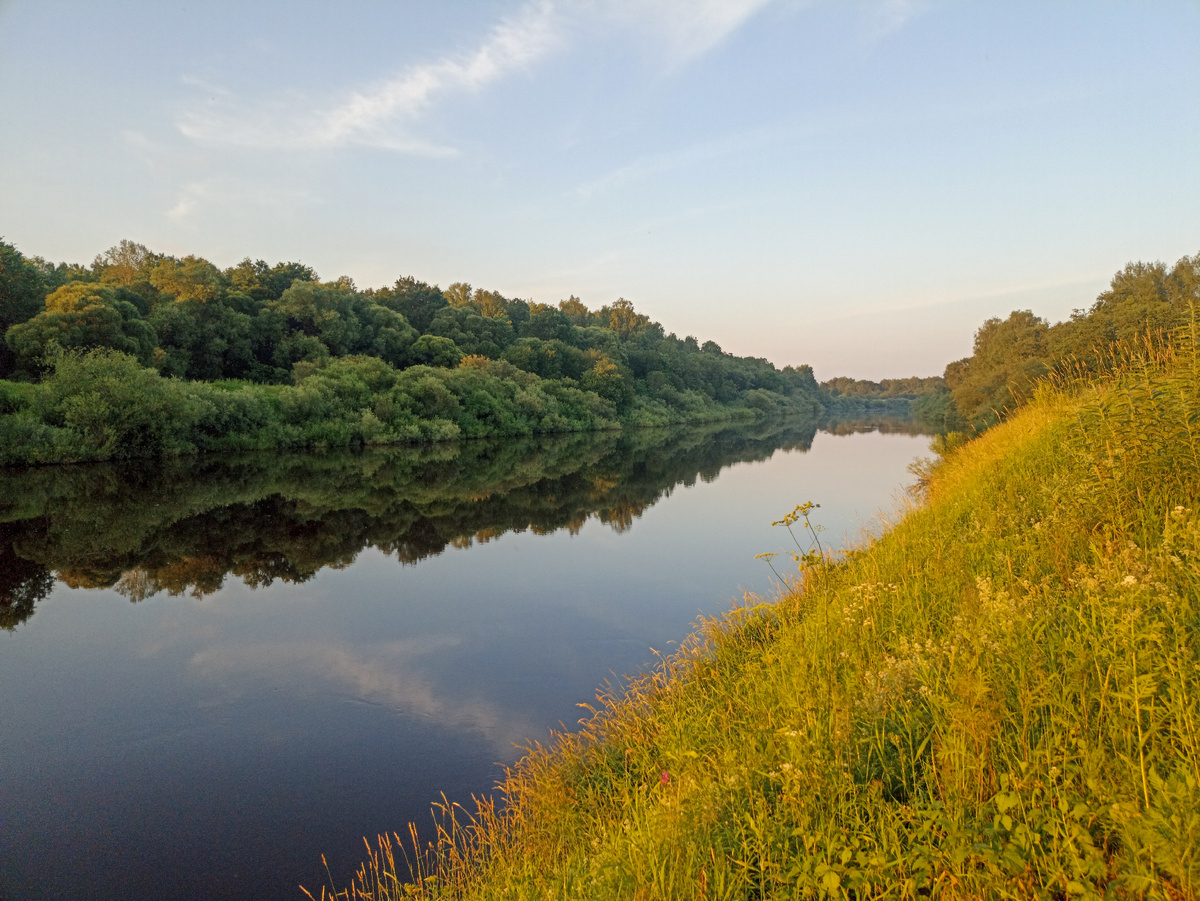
x=319 y=645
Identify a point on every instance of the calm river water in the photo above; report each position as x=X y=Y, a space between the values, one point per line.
x=215 y=671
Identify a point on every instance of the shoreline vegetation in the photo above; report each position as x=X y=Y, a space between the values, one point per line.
x=995 y=697
x=148 y=355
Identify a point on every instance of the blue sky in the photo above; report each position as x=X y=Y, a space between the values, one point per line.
x=855 y=185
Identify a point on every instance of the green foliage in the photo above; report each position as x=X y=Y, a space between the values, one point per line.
x=79 y=316
x=540 y=368
x=938 y=410
x=911 y=388
x=22 y=288
x=113 y=407
x=547 y=324
x=203 y=340
x=1010 y=355
x=606 y=379
x=550 y=359
x=472 y=332
x=192 y=278
x=434 y=350
x=416 y=301
x=262 y=283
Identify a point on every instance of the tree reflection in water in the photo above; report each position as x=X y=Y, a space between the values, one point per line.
x=183 y=525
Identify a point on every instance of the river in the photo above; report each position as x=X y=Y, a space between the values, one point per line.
x=217 y=670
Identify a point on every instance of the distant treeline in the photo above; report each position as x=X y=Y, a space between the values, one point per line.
x=144 y=354
x=910 y=388
x=1144 y=304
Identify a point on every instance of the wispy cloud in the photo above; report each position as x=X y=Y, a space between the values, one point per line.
x=378 y=115
x=886 y=16
x=190 y=195
x=947 y=298
x=687 y=28
x=197 y=194
x=652 y=165
x=382 y=674
x=384 y=114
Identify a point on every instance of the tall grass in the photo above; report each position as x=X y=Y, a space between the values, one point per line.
x=996 y=698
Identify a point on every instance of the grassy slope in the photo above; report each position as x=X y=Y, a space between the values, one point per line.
x=997 y=698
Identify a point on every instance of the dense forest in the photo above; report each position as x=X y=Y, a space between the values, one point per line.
x=146 y=354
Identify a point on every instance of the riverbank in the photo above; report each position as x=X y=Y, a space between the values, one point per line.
x=104 y=405
x=995 y=698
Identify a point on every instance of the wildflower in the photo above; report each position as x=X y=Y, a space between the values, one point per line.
x=665 y=778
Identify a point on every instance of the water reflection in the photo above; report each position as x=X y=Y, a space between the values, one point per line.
x=181 y=526
x=215 y=744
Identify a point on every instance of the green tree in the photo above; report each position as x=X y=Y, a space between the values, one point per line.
x=551 y=359
x=1010 y=354
x=192 y=278
x=434 y=350
x=117 y=407
x=126 y=263
x=623 y=319
x=575 y=310
x=416 y=301
x=203 y=341
x=606 y=379
x=458 y=294
x=474 y=334
x=546 y=323
x=22 y=289
x=80 y=315
x=262 y=282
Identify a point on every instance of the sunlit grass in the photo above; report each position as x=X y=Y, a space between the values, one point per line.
x=996 y=698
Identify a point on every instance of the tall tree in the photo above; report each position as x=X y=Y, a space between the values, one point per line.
x=192 y=278
x=81 y=315
x=22 y=287
x=127 y=263
x=458 y=294
x=1010 y=354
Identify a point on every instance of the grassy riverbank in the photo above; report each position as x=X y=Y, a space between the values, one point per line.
x=996 y=698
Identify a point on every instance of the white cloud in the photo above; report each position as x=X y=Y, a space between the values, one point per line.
x=190 y=195
x=886 y=16
x=647 y=167
x=382 y=115
x=229 y=193
x=377 y=115
x=687 y=28
x=382 y=674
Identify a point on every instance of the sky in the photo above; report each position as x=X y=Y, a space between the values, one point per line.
x=852 y=184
